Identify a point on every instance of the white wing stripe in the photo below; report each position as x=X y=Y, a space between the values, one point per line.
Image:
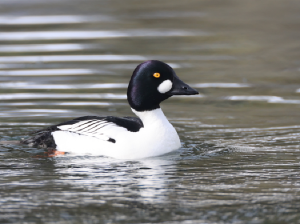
x=85 y=126
x=91 y=128
x=71 y=126
x=96 y=129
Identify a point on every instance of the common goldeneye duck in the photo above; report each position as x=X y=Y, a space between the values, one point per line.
x=151 y=134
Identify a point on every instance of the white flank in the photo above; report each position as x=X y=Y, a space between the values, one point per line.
x=157 y=137
x=165 y=86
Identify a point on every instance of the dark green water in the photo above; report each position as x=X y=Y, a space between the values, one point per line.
x=240 y=157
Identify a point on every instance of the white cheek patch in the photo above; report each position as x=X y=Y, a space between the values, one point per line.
x=165 y=86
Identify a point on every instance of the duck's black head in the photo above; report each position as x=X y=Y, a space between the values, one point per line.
x=153 y=82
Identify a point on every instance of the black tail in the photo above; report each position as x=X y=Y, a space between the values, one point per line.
x=42 y=138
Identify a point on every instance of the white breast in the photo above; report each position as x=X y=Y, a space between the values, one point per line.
x=157 y=137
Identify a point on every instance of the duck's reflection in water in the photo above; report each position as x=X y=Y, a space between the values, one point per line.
x=110 y=179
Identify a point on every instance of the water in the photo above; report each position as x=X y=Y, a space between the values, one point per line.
x=240 y=157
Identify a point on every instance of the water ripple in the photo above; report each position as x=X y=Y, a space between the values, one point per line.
x=18 y=96
x=49 y=72
x=220 y=85
x=108 y=67
x=43 y=111
x=170 y=14
x=25 y=85
x=269 y=99
x=52 y=19
x=240 y=130
x=87 y=103
x=70 y=58
x=23 y=124
x=45 y=47
x=95 y=34
x=90 y=58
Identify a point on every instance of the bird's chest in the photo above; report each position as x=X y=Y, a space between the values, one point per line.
x=154 y=136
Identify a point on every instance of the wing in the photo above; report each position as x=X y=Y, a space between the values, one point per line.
x=103 y=128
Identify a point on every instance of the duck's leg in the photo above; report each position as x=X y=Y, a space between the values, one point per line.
x=50 y=153
x=53 y=153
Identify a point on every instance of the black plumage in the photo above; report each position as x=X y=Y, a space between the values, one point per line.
x=43 y=138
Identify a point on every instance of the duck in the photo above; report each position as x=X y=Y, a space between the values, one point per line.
x=150 y=134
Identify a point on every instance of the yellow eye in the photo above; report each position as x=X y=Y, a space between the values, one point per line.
x=156 y=75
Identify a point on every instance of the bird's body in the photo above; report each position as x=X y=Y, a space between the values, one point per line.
x=129 y=137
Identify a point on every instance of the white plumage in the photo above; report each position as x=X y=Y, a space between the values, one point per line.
x=157 y=137
x=93 y=128
x=165 y=86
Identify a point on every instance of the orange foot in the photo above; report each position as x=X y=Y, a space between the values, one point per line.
x=50 y=153
x=53 y=152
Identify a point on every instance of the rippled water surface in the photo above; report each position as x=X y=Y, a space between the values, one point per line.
x=239 y=161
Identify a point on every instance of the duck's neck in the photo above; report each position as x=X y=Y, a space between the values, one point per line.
x=151 y=117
